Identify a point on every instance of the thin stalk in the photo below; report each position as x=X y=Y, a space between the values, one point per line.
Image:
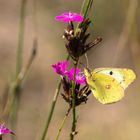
x=73 y=128
x=0 y=137
x=17 y=89
x=21 y=37
x=13 y=113
x=62 y=124
x=85 y=9
x=14 y=89
x=51 y=111
x=47 y=124
x=25 y=71
x=9 y=103
x=86 y=6
x=83 y=5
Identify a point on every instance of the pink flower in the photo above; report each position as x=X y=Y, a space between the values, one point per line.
x=80 y=78
x=5 y=130
x=61 y=67
x=68 y=16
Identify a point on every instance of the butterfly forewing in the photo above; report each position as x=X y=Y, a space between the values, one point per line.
x=123 y=76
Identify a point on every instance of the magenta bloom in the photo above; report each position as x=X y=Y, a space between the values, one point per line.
x=5 y=130
x=80 y=78
x=68 y=16
x=61 y=67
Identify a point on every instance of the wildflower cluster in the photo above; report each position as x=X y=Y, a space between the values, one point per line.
x=76 y=45
x=61 y=69
x=67 y=78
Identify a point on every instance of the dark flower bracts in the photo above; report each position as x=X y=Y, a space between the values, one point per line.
x=81 y=89
x=76 y=38
x=81 y=94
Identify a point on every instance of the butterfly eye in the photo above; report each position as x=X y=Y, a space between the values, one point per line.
x=111 y=73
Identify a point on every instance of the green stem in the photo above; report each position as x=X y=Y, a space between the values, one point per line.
x=85 y=9
x=0 y=137
x=47 y=124
x=21 y=37
x=86 y=6
x=73 y=128
x=51 y=111
x=18 y=83
x=16 y=91
x=62 y=124
x=14 y=107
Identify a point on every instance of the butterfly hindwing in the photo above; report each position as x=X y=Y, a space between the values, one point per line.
x=107 y=88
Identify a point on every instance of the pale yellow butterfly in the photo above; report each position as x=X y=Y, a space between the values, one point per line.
x=108 y=84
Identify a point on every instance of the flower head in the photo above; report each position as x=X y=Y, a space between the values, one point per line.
x=81 y=93
x=61 y=67
x=5 y=130
x=80 y=77
x=69 y=16
x=76 y=39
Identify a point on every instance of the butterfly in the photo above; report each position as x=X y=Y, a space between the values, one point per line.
x=108 y=84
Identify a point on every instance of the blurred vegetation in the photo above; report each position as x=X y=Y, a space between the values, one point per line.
x=96 y=121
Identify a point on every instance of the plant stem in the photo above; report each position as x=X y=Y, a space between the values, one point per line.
x=14 y=88
x=19 y=62
x=14 y=107
x=85 y=9
x=51 y=111
x=62 y=124
x=21 y=76
x=47 y=124
x=21 y=37
x=73 y=128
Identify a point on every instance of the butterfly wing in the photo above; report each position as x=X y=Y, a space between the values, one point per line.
x=106 y=85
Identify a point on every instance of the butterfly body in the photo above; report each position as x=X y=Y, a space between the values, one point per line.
x=108 y=84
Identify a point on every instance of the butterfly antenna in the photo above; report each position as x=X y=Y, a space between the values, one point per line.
x=83 y=65
x=87 y=62
x=89 y=70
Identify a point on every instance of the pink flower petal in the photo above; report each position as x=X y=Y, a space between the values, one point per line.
x=69 y=16
x=80 y=78
x=61 y=67
x=5 y=130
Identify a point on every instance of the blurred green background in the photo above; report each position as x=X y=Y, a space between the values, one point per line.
x=120 y=48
